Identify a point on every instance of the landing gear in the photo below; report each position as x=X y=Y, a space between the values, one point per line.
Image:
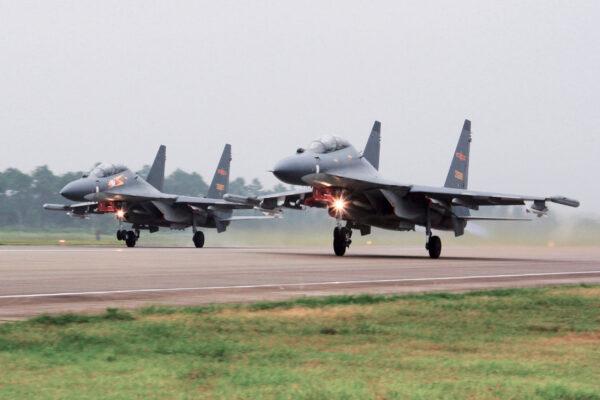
x=434 y=246
x=434 y=243
x=198 y=239
x=131 y=238
x=121 y=234
x=341 y=240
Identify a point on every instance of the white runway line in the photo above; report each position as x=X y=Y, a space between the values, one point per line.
x=282 y=286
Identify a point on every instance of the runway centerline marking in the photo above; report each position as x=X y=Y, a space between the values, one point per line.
x=284 y=285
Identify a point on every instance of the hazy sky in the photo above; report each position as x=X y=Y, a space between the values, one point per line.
x=109 y=81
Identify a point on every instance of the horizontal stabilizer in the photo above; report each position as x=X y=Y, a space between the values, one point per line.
x=234 y=198
x=248 y=218
x=474 y=218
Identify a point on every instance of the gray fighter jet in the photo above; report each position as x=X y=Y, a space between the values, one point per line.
x=111 y=188
x=348 y=184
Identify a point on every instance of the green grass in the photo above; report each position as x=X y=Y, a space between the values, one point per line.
x=508 y=344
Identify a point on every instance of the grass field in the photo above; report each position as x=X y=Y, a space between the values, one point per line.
x=509 y=344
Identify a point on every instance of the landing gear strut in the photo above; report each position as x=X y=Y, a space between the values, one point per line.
x=341 y=240
x=434 y=243
x=198 y=239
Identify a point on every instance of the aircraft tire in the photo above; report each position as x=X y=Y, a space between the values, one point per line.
x=130 y=238
x=198 y=239
x=119 y=235
x=340 y=241
x=434 y=246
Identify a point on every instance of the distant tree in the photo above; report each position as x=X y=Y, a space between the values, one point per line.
x=237 y=186
x=144 y=171
x=279 y=188
x=17 y=189
x=189 y=184
x=255 y=188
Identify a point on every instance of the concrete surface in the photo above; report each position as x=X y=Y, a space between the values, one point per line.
x=37 y=280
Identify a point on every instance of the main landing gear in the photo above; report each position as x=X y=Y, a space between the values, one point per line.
x=341 y=240
x=198 y=239
x=434 y=246
x=130 y=237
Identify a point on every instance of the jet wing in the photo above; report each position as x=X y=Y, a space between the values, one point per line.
x=467 y=198
x=363 y=181
x=205 y=202
x=473 y=199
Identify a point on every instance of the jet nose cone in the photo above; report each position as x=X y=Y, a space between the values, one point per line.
x=75 y=190
x=283 y=170
x=291 y=170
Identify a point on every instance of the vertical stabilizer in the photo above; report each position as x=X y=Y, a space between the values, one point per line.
x=220 y=183
x=458 y=175
x=371 y=152
x=156 y=176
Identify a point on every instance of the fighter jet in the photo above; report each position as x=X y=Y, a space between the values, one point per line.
x=113 y=188
x=349 y=185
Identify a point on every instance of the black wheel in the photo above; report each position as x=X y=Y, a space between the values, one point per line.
x=340 y=241
x=339 y=246
x=130 y=238
x=198 y=239
x=121 y=233
x=434 y=246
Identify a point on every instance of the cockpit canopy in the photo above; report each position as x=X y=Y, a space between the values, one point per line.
x=327 y=144
x=104 y=170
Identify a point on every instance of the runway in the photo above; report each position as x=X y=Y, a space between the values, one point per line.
x=36 y=280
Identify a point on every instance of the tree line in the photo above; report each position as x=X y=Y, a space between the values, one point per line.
x=23 y=194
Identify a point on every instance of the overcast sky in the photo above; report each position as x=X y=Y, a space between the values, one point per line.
x=109 y=81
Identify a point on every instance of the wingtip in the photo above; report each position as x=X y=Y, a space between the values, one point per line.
x=565 y=201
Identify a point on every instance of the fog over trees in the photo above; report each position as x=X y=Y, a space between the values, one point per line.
x=23 y=194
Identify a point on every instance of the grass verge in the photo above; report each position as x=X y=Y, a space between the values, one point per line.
x=522 y=343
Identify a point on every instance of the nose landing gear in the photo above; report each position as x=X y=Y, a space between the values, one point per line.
x=341 y=240
x=434 y=246
x=434 y=243
x=198 y=239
